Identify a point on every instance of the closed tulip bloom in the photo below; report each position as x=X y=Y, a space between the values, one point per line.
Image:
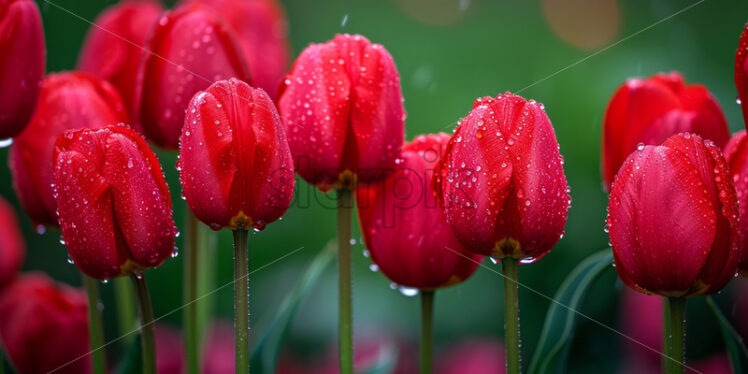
x=114 y=205
x=343 y=111
x=502 y=181
x=673 y=219
x=405 y=230
x=741 y=72
x=21 y=71
x=260 y=28
x=648 y=111
x=44 y=326
x=736 y=152
x=113 y=48
x=190 y=49
x=236 y=168
x=67 y=101
x=12 y=247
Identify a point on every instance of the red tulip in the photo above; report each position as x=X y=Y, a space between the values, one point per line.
x=404 y=228
x=261 y=31
x=114 y=205
x=648 y=111
x=44 y=326
x=673 y=219
x=22 y=70
x=502 y=182
x=736 y=152
x=236 y=168
x=191 y=48
x=12 y=247
x=343 y=111
x=741 y=72
x=67 y=101
x=113 y=48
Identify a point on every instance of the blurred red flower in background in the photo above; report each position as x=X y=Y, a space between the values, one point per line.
x=114 y=205
x=475 y=356
x=12 y=247
x=235 y=165
x=648 y=111
x=21 y=71
x=169 y=350
x=261 y=31
x=403 y=226
x=190 y=49
x=343 y=111
x=69 y=100
x=501 y=181
x=685 y=186
x=113 y=49
x=44 y=326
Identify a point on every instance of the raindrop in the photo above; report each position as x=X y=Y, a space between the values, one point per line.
x=175 y=252
x=104 y=281
x=352 y=241
x=408 y=291
x=70 y=260
x=40 y=229
x=4 y=143
x=374 y=267
x=129 y=163
x=62 y=240
x=366 y=253
x=344 y=21
x=737 y=100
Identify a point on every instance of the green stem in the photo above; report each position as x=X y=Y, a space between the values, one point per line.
x=145 y=309
x=511 y=314
x=2 y=360
x=427 y=313
x=191 y=275
x=241 y=301
x=345 y=333
x=207 y=241
x=125 y=299
x=95 y=326
x=675 y=332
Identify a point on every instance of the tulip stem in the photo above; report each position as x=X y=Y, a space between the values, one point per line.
x=145 y=309
x=124 y=296
x=345 y=334
x=241 y=301
x=509 y=268
x=96 y=329
x=191 y=274
x=675 y=332
x=427 y=313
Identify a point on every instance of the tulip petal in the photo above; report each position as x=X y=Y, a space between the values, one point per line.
x=141 y=200
x=741 y=73
x=21 y=71
x=736 y=153
x=661 y=220
x=191 y=48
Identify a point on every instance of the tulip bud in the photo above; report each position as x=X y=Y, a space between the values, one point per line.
x=736 y=152
x=12 y=247
x=261 y=32
x=405 y=231
x=502 y=183
x=236 y=168
x=741 y=73
x=190 y=49
x=114 y=205
x=44 y=326
x=343 y=111
x=67 y=101
x=113 y=48
x=648 y=111
x=673 y=219
x=21 y=70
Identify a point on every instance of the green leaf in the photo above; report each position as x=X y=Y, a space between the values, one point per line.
x=265 y=353
x=558 y=329
x=734 y=344
x=132 y=362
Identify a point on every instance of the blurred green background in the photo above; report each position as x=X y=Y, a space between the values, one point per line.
x=448 y=53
